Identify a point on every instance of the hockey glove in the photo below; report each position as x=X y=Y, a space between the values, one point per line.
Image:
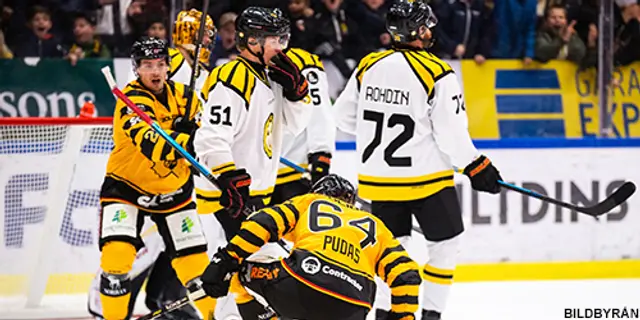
x=184 y=126
x=235 y=191
x=216 y=278
x=483 y=175
x=286 y=73
x=319 y=165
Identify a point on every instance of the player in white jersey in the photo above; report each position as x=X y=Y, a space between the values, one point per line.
x=250 y=102
x=313 y=148
x=152 y=264
x=407 y=110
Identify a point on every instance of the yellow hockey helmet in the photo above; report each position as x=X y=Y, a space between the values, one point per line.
x=185 y=33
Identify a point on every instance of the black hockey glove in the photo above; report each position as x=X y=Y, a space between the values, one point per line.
x=319 y=165
x=286 y=73
x=216 y=278
x=235 y=191
x=483 y=175
x=184 y=126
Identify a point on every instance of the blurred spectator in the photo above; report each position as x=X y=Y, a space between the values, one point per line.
x=86 y=44
x=39 y=42
x=330 y=33
x=5 y=53
x=368 y=32
x=627 y=42
x=155 y=25
x=515 y=29
x=301 y=16
x=557 y=39
x=116 y=19
x=629 y=9
x=225 y=47
x=464 y=30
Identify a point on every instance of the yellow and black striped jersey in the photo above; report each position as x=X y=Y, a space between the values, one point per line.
x=320 y=134
x=407 y=111
x=243 y=124
x=141 y=160
x=337 y=249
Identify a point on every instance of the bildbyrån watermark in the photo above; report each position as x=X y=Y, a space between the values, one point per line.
x=602 y=313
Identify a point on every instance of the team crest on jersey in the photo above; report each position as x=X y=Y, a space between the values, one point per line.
x=267 y=136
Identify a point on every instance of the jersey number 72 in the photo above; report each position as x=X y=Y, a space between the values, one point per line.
x=394 y=120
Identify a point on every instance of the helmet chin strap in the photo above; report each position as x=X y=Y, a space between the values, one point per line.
x=259 y=55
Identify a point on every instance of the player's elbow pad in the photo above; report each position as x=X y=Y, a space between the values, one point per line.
x=407 y=278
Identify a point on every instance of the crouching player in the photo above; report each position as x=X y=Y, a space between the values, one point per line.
x=145 y=176
x=337 y=252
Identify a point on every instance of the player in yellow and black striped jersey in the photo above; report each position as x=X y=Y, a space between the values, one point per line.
x=407 y=111
x=337 y=252
x=146 y=176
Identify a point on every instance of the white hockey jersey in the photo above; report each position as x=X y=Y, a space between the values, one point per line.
x=245 y=115
x=407 y=111
x=320 y=133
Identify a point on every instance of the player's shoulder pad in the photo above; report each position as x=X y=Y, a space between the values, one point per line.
x=139 y=95
x=235 y=75
x=177 y=59
x=304 y=59
x=178 y=89
x=368 y=61
x=427 y=67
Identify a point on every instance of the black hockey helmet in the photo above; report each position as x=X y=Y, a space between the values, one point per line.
x=259 y=22
x=335 y=186
x=149 y=48
x=405 y=17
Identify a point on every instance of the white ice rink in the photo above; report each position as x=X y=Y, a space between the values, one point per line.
x=530 y=300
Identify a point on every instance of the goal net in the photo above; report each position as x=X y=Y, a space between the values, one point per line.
x=51 y=170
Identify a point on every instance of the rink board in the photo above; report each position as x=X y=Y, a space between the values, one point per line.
x=508 y=236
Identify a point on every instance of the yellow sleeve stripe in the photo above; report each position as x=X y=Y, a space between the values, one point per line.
x=398 y=267
x=245 y=245
x=256 y=229
x=280 y=218
x=405 y=290
x=424 y=73
x=225 y=167
x=292 y=213
x=389 y=261
x=404 y=307
x=304 y=59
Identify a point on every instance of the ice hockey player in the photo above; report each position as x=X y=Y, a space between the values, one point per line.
x=250 y=102
x=313 y=148
x=145 y=176
x=337 y=252
x=407 y=110
x=162 y=285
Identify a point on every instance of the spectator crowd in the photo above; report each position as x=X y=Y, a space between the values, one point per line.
x=337 y=30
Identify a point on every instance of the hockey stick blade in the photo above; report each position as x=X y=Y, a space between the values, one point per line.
x=174 y=305
x=618 y=197
x=615 y=199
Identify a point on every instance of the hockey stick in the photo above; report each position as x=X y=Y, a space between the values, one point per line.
x=196 y=59
x=156 y=127
x=106 y=71
x=199 y=294
x=615 y=199
x=306 y=174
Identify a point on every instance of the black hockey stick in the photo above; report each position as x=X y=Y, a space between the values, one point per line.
x=615 y=199
x=174 y=305
x=196 y=59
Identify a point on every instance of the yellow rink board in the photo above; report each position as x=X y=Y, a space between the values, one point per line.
x=79 y=283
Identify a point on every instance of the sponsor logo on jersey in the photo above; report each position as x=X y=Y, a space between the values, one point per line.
x=158 y=199
x=310 y=265
x=387 y=96
x=267 y=136
x=342 y=276
x=312 y=77
x=187 y=225
x=264 y=273
x=119 y=216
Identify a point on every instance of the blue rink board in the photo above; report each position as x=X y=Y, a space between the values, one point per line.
x=105 y=146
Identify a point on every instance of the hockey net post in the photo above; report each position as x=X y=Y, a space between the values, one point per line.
x=43 y=178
